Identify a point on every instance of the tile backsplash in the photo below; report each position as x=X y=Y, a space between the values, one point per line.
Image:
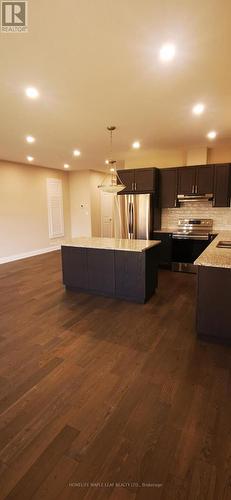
x=203 y=210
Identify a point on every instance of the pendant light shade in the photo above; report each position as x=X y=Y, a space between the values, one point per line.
x=112 y=182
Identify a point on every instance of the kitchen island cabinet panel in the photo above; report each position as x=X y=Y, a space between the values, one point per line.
x=125 y=269
x=74 y=264
x=100 y=265
x=129 y=271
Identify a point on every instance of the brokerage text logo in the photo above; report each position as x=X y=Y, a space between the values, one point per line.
x=14 y=16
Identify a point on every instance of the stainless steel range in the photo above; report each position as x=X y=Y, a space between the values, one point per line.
x=189 y=241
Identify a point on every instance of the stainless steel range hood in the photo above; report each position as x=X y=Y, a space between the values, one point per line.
x=185 y=198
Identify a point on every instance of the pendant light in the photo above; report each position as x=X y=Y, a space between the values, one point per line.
x=112 y=182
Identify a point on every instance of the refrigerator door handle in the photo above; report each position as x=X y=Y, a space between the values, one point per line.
x=131 y=219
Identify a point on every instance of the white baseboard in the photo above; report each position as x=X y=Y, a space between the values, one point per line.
x=11 y=258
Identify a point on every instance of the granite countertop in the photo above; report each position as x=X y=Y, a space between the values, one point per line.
x=112 y=244
x=216 y=257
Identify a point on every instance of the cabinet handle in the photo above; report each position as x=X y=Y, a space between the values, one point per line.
x=132 y=186
x=193 y=189
x=196 y=189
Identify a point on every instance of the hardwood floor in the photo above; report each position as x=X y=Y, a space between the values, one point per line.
x=99 y=396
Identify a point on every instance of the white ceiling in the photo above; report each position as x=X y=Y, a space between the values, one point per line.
x=96 y=63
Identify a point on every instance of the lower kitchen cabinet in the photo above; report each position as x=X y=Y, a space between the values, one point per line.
x=74 y=264
x=165 y=249
x=213 y=303
x=100 y=266
x=124 y=274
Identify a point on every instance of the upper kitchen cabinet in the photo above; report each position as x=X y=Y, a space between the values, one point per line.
x=168 y=187
x=146 y=180
x=222 y=185
x=140 y=180
x=196 y=180
x=128 y=179
x=186 y=180
x=204 y=179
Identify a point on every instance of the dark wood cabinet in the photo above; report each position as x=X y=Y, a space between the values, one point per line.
x=123 y=274
x=213 y=303
x=222 y=185
x=204 y=179
x=199 y=179
x=186 y=180
x=140 y=180
x=168 y=187
x=127 y=178
x=196 y=180
x=145 y=180
x=100 y=266
x=165 y=248
x=75 y=273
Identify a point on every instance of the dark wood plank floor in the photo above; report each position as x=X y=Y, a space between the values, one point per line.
x=107 y=399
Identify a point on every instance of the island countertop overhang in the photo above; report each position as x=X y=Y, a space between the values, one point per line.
x=112 y=244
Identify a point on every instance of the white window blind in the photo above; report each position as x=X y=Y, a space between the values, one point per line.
x=55 y=208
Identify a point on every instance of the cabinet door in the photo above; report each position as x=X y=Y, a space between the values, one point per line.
x=145 y=180
x=74 y=264
x=186 y=180
x=127 y=178
x=204 y=179
x=168 y=187
x=130 y=274
x=165 y=248
x=222 y=186
x=101 y=273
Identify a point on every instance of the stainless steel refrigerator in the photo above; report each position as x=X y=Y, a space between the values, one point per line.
x=133 y=216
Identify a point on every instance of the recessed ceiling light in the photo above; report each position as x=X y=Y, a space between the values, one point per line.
x=32 y=92
x=136 y=145
x=167 y=52
x=66 y=165
x=30 y=139
x=107 y=162
x=112 y=169
x=198 y=109
x=76 y=152
x=212 y=135
x=30 y=158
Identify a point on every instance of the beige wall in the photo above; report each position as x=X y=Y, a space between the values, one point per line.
x=177 y=157
x=95 y=179
x=156 y=158
x=23 y=208
x=85 y=203
x=80 y=203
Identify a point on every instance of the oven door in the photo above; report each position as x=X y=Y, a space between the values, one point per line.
x=185 y=251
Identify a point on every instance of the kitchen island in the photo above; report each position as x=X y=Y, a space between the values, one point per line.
x=214 y=290
x=121 y=268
